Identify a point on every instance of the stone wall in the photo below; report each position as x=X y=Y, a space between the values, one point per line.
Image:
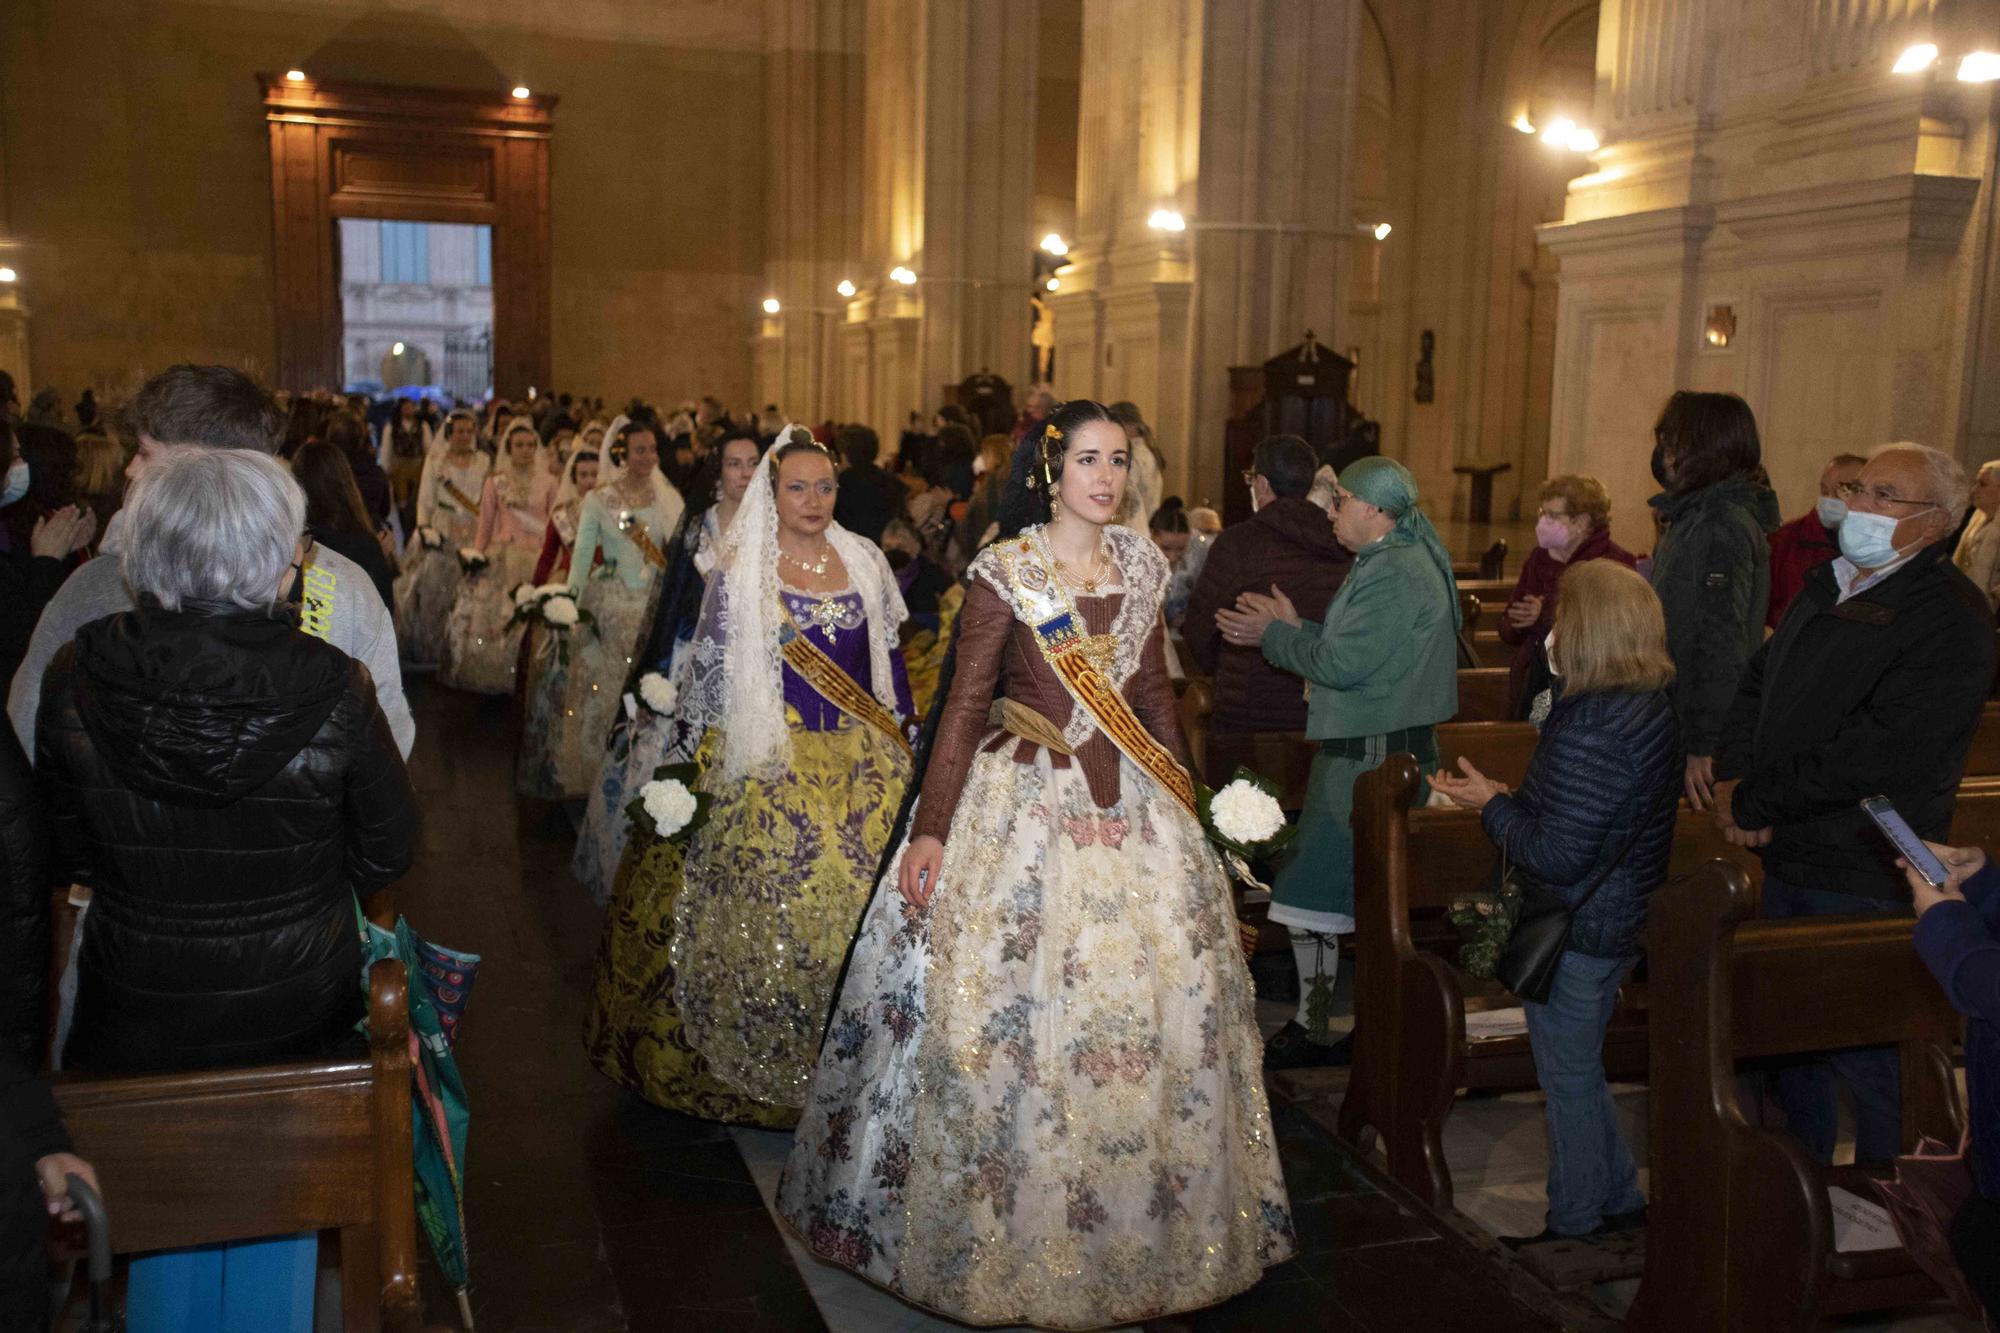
x=135 y=180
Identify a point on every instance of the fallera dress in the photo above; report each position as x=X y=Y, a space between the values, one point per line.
x=1041 y=1099
x=719 y=960
x=480 y=653
x=448 y=507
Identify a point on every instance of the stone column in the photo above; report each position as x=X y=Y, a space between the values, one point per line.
x=814 y=78
x=1237 y=117
x=1776 y=214
x=13 y=312
x=949 y=196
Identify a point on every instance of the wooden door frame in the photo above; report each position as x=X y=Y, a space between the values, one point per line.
x=357 y=150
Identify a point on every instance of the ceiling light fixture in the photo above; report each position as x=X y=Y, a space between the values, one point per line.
x=1166 y=219
x=1979 y=67
x=1523 y=124
x=1916 y=59
x=771 y=306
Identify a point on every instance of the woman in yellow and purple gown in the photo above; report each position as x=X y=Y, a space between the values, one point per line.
x=719 y=958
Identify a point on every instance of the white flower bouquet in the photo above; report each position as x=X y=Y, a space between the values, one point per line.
x=560 y=611
x=551 y=607
x=471 y=559
x=1244 y=816
x=658 y=694
x=671 y=807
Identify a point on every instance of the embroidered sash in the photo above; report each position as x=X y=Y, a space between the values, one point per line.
x=1060 y=632
x=831 y=683
x=451 y=489
x=640 y=537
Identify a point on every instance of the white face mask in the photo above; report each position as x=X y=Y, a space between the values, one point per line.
x=1869 y=540
x=1832 y=509
x=16 y=484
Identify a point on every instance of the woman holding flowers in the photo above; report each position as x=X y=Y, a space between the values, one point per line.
x=482 y=639
x=1040 y=1100
x=720 y=956
x=626 y=520
x=545 y=652
x=447 y=518
x=649 y=731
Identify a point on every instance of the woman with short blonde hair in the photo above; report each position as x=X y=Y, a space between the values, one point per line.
x=1594 y=823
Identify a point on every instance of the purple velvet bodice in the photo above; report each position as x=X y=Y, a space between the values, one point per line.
x=838 y=627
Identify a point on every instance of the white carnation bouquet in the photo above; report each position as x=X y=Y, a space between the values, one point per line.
x=551 y=607
x=671 y=806
x=659 y=694
x=471 y=559
x=1245 y=821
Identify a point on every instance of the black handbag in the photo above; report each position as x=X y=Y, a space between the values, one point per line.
x=1527 y=964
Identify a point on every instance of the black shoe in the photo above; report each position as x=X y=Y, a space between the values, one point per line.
x=1549 y=1234
x=1632 y=1221
x=1290 y=1048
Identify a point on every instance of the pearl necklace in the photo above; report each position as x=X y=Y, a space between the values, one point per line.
x=814 y=567
x=1088 y=581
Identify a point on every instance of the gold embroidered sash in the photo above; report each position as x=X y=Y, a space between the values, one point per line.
x=451 y=489
x=833 y=684
x=643 y=539
x=1066 y=646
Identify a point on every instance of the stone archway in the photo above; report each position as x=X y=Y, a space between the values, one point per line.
x=341 y=150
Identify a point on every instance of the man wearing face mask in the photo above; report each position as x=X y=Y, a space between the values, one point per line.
x=1872 y=685
x=1809 y=539
x=1573 y=525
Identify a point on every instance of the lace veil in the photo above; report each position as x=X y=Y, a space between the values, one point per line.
x=736 y=681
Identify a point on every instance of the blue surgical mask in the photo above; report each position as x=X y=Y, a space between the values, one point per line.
x=1869 y=540
x=1832 y=509
x=16 y=484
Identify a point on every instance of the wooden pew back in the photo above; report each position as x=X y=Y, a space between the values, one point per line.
x=234 y=1154
x=1740 y=1233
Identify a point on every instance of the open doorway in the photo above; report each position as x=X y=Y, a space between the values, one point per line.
x=416 y=306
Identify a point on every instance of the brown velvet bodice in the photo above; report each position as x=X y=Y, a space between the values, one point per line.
x=994 y=647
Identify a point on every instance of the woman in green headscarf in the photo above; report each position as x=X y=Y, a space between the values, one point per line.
x=1382 y=670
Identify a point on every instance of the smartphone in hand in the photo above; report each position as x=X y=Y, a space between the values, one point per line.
x=1905 y=840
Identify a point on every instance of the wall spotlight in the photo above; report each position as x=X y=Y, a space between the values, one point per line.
x=295 y=75
x=902 y=275
x=1054 y=244
x=520 y=92
x=1916 y=59
x=1053 y=284
x=771 y=306
x=1558 y=132
x=1166 y=219
x=8 y=275
x=846 y=289
x=1382 y=230
x=1979 y=67
x=1523 y=124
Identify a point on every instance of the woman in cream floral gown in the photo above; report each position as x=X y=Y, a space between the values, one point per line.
x=1040 y=1098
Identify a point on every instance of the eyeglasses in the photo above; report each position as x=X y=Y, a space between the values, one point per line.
x=1847 y=487
x=1880 y=496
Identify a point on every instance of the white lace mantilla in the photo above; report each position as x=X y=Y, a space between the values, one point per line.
x=1145 y=573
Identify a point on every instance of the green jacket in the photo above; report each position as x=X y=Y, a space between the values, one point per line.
x=1712 y=570
x=1386 y=657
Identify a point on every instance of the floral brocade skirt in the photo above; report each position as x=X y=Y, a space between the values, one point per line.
x=480 y=653
x=716 y=970
x=571 y=704
x=425 y=591
x=1041 y=1099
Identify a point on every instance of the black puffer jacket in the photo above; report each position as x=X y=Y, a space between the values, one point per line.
x=25 y=885
x=1607 y=769
x=226 y=785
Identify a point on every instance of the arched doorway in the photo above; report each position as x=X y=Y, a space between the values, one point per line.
x=411 y=155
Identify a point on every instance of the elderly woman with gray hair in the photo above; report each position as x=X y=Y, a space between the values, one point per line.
x=227 y=786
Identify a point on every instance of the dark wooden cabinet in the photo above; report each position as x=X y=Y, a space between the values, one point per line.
x=1301 y=391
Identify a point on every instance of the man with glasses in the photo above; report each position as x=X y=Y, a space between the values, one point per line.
x=1872 y=685
x=1808 y=540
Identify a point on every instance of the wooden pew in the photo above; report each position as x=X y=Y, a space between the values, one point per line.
x=1482 y=695
x=233 y=1154
x=1411 y=1055
x=1740 y=1233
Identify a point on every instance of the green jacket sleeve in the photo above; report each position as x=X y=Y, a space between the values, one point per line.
x=1369 y=636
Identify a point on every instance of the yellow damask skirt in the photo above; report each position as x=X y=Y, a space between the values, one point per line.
x=717 y=965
